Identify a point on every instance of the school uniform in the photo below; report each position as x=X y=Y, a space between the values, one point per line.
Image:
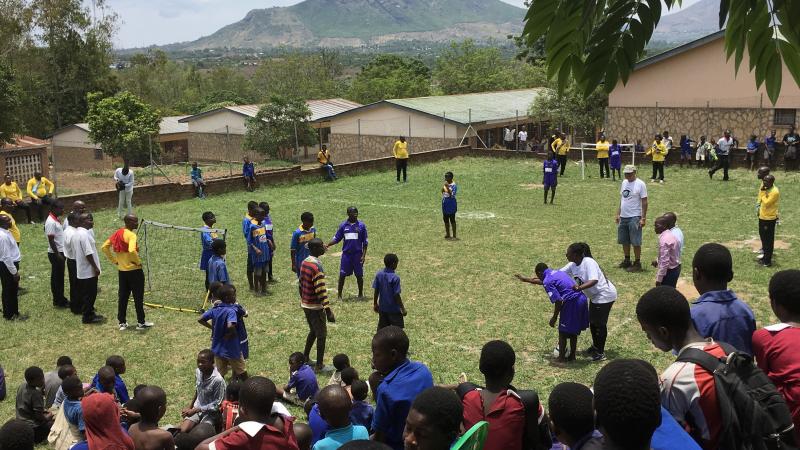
x=227 y=352
x=355 y=244
x=615 y=157
x=75 y=300
x=259 y=436
x=601 y=297
x=388 y=285
x=775 y=349
x=550 y=172
x=394 y=397
x=83 y=246
x=9 y=255
x=54 y=229
x=304 y=383
x=218 y=270
x=257 y=238
x=449 y=202
x=336 y=437
x=722 y=316
x=574 y=315
x=299 y=244
x=206 y=239
x=269 y=227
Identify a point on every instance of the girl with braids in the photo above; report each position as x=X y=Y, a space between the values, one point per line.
x=590 y=280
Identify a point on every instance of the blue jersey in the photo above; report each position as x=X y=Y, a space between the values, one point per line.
x=550 y=171
x=197 y=174
x=206 y=238
x=299 y=244
x=218 y=270
x=615 y=156
x=752 y=146
x=354 y=235
x=257 y=238
x=248 y=170
x=449 y=202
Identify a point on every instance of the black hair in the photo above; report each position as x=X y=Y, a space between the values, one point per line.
x=628 y=402
x=150 y=400
x=72 y=218
x=65 y=371
x=251 y=205
x=442 y=410
x=257 y=395
x=392 y=338
x=364 y=445
x=63 y=360
x=349 y=375
x=352 y=209
x=298 y=358
x=341 y=362
x=497 y=359
x=232 y=391
x=570 y=408
x=33 y=373
x=540 y=267
x=614 y=141
x=116 y=362
x=784 y=290
x=138 y=388
x=359 y=389
x=448 y=174
x=71 y=382
x=106 y=372
x=714 y=261
x=217 y=245
x=16 y=435
x=664 y=306
x=207 y=215
x=316 y=243
x=214 y=287
x=581 y=248
x=206 y=354
x=264 y=206
x=306 y=217
x=390 y=260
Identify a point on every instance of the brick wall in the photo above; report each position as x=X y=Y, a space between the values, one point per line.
x=80 y=159
x=345 y=147
x=217 y=147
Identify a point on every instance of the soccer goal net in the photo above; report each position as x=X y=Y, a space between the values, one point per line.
x=171 y=259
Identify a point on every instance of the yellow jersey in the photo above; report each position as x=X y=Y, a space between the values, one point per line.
x=128 y=260
x=324 y=157
x=602 y=149
x=10 y=191
x=13 y=228
x=768 y=203
x=560 y=146
x=400 y=150
x=40 y=188
x=658 y=150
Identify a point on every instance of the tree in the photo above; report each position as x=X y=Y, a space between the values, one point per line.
x=300 y=75
x=599 y=42
x=391 y=76
x=570 y=108
x=9 y=104
x=277 y=125
x=123 y=125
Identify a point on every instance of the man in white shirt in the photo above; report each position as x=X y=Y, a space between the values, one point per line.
x=724 y=145
x=9 y=274
x=508 y=138
x=54 y=232
x=522 y=136
x=124 y=179
x=87 y=264
x=631 y=218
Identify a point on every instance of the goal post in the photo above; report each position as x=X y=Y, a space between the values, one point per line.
x=171 y=262
x=586 y=147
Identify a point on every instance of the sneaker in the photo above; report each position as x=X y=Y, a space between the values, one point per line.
x=19 y=317
x=590 y=351
x=652 y=180
x=597 y=357
x=635 y=267
x=760 y=256
x=123 y=326
x=144 y=326
x=661 y=181
x=623 y=265
x=761 y=250
x=94 y=320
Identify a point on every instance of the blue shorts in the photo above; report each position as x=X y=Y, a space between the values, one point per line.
x=629 y=232
x=351 y=263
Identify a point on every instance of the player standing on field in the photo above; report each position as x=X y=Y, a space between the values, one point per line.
x=354 y=250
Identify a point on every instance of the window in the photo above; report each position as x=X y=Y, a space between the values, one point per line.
x=98 y=153
x=785 y=117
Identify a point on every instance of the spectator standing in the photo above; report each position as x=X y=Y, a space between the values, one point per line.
x=769 y=148
x=561 y=148
x=87 y=264
x=508 y=138
x=668 y=142
x=522 y=138
x=703 y=152
x=123 y=176
x=724 y=145
x=631 y=217
x=54 y=232
x=314 y=301
x=768 y=199
x=790 y=140
x=659 y=152
x=9 y=274
x=400 y=153
x=669 y=254
x=40 y=190
x=249 y=174
x=10 y=190
x=602 y=156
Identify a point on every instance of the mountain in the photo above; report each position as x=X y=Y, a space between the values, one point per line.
x=688 y=24
x=352 y=23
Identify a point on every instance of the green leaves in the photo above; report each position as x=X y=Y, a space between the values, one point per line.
x=272 y=130
x=598 y=42
x=122 y=124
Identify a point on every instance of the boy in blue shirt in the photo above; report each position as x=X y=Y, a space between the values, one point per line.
x=615 y=160
x=247 y=222
x=229 y=346
x=249 y=174
x=206 y=238
x=752 y=149
x=299 y=245
x=769 y=147
x=449 y=206
x=302 y=380
x=334 y=407
x=362 y=412
x=269 y=227
x=217 y=269
x=259 y=251
x=354 y=250
x=197 y=181
x=386 y=300
x=73 y=391
x=117 y=363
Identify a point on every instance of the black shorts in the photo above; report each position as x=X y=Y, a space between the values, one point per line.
x=387 y=319
x=450 y=217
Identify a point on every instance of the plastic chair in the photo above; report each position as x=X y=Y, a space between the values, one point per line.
x=474 y=438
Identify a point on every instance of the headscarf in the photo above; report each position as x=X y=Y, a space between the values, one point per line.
x=101 y=418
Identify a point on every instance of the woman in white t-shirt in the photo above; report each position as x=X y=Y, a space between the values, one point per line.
x=590 y=279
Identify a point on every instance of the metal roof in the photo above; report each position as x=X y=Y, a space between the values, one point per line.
x=680 y=49
x=21 y=141
x=172 y=125
x=320 y=109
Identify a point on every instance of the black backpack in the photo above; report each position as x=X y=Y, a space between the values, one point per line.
x=754 y=414
x=537 y=435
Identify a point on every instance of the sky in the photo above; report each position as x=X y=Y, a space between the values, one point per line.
x=157 y=22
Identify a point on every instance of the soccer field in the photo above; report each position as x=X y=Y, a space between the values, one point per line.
x=459 y=294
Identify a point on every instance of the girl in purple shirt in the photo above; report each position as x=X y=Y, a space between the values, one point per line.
x=550 y=179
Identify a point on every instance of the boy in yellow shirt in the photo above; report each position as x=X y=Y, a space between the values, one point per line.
x=658 y=150
x=768 y=198
x=40 y=190
x=10 y=190
x=400 y=153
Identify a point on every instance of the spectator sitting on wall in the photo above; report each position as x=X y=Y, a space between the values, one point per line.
x=197 y=181
x=249 y=174
x=324 y=158
x=40 y=190
x=10 y=190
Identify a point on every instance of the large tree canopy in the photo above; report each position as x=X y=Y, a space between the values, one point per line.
x=599 y=41
x=123 y=125
x=279 y=125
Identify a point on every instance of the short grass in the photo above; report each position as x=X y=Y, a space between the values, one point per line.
x=459 y=294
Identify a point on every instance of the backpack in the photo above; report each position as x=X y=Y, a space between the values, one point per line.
x=536 y=437
x=754 y=414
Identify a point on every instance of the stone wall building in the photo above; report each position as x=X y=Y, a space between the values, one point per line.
x=694 y=90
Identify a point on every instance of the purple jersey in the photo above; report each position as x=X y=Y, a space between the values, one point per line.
x=550 y=171
x=354 y=235
x=574 y=305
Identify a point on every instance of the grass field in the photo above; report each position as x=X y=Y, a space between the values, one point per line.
x=459 y=294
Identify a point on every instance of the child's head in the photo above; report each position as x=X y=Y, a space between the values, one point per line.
x=138 y=388
x=194 y=165
x=753 y=138
x=255 y=399
x=117 y=362
x=219 y=247
x=551 y=154
x=251 y=206
x=497 y=362
x=762 y=172
x=391 y=261
x=72 y=387
x=434 y=420
x=63 y=360
x=539 y=270
x=316 y=247
x=334 y=406
x=213 y=289
x=304 y=435
x=296 y=361
x=389 y=348
x=672 y=219
x=307 y=220
x=209 y=218
x=349 y=375
x=571 y=412
x=665 y=133
x=448 y=176
x=232 y=391
x=153 y=404
x=712 y=267
x=784 y=295
x=205 y=361
x=341 y=362
x=66 y=370
x=359 y=389
x=577 y=251
x=627 y=403
x=106 y=377
x=34 y=376
x=265 y=207
x=17 y=434
x=663 y=313
x=614 y=142
x=259 y=214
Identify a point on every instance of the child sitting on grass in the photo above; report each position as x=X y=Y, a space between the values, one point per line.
x=572 y=416
x=209 y=393
x=362 y=412
x=348 y=376
x=340 y=362
x=105 y=383
x=335 y=407
x=120 y=390
x=63 y=372
x=230 y=406
x=302 y=383
x=64 y=438
x=229 y=340
x=30 y=404
x=146 y=434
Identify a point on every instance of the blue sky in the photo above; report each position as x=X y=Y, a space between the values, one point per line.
x=148 y=22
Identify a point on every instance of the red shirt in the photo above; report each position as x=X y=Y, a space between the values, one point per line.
x=258 y=436
x=506 y=419
x=778 y=355
x=230 y=412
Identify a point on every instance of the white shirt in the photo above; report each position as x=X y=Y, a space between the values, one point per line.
x=9 y=250
x=678 y=233
x=724 y=145
x=69 y=233
x=668 y=142
x=509 y=134
x=52 y=227
x=632 y=193
x=83 y=245
x=522 y=136
x=602 y=292
x=127 y=179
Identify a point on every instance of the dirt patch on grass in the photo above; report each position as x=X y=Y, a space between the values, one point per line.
x=687 y=289
x=531 y=187
x=755 y=244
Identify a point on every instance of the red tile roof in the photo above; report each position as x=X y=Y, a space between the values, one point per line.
x=24 y=142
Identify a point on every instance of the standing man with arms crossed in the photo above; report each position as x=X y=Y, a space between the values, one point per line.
x=54 y=232
x=124 y=179
x=9 y=274
x=122 y=250
x=400 y=153
x=768 y=198
x=87 y=265
x=560 y=147
x=354 y=250
x=631 y=218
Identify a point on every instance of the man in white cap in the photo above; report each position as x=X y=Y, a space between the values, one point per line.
x=631 y=217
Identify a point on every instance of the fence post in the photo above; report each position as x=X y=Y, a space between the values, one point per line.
x=444 y=129
x=54 y=174
x=360 y=151
x=296 y=143
x=516 y=126
x=228 y=149
x=152 y=165
x=409 y=125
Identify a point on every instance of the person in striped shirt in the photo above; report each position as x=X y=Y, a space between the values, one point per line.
x=314 y=301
